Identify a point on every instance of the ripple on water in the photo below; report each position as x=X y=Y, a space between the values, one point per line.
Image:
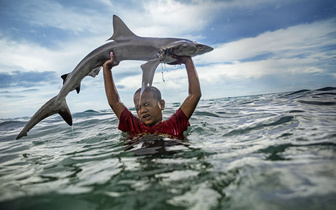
x=273 y=151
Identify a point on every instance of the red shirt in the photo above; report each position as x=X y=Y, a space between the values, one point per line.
x=171 y=128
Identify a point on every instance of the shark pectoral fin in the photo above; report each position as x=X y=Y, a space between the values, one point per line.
x=64 y=76
x=65 y=113
x=148 y=70
x=94 y=72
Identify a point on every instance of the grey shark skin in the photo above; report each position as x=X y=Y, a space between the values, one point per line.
x=126 y=46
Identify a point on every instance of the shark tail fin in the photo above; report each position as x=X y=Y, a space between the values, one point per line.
x=53 y=106
x=121 y=31
x=65 y=113
x=65 y=76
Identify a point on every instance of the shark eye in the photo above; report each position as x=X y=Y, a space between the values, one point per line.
x=199 y=47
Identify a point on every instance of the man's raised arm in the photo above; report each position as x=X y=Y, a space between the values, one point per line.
x=190 y=103
x=110 y=89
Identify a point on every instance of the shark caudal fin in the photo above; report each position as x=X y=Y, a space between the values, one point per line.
x=65 y=113
x=120 y=31
x=53 y=106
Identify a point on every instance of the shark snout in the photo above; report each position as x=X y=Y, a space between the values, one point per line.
x=208 y=49
x=205 y=49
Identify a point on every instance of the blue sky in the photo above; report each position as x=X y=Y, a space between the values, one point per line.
x=261 y=46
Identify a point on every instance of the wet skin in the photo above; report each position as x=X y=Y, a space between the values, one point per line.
x=149 y=109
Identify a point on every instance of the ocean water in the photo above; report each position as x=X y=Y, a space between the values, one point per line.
x=273 y=151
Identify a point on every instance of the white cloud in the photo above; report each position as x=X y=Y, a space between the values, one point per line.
x=256 y=69
x=283 y=43
x=54 y=14
x=29 y=56
x=176 y=18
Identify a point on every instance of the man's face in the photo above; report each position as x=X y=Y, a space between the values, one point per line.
x=149 y=109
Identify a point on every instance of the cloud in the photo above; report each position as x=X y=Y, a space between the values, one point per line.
x=304 y=39
x=57 y=15
x=29 y=56
x=176 y=18
x=25 y=79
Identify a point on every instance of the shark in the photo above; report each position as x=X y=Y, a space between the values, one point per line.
x=126 y=46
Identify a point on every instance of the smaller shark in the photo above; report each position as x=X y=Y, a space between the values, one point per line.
x=126 y=46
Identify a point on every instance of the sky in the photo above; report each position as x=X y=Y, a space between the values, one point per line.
x=260 y=46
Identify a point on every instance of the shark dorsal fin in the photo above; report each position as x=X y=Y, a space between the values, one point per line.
x=121 y=31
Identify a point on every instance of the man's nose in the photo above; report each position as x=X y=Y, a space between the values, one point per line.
x=143 y=109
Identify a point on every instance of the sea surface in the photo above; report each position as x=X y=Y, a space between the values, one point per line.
x=272 y=151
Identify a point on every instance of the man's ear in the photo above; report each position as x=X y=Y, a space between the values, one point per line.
x=162 y=103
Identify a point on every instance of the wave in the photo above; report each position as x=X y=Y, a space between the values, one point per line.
x=277 y=152
x=260 y=126
x=11 y=125
x=299 y=91
x=90 y=113
x=320 y=97
x=327 y=89
x=306 y=92
x=319 y=103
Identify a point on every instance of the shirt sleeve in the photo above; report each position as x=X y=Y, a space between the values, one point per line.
x=182 y=121
x=128 y=122
x=179 y=123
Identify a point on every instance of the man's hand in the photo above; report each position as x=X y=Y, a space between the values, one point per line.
x=110 y=63
x=182 y=59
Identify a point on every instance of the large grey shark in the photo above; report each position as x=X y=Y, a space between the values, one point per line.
x=126 y=46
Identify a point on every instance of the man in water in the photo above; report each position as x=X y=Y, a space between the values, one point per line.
x=149 y=108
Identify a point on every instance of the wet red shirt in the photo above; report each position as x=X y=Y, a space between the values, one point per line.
x=172 y=127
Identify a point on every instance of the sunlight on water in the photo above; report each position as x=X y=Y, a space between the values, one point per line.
x=274 y=151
